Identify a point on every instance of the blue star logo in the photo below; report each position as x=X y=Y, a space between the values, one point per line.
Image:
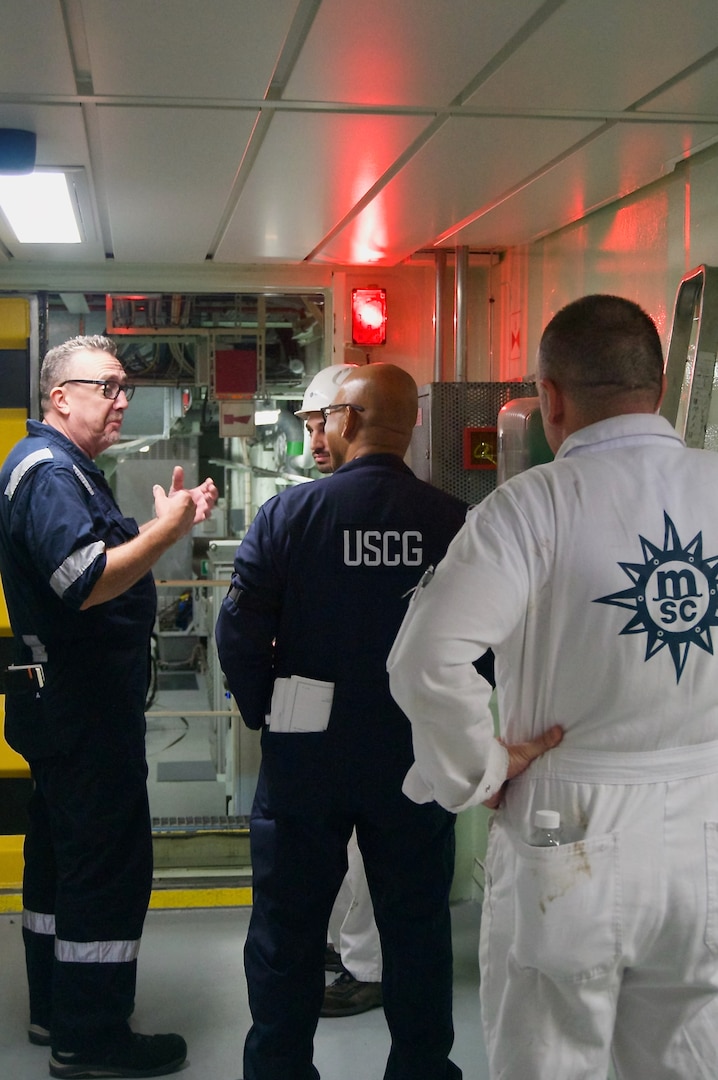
x=673 y=594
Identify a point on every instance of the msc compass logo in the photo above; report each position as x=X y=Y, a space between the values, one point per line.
x=674 y=596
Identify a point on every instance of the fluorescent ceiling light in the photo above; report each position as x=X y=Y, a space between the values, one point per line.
x=39 y=209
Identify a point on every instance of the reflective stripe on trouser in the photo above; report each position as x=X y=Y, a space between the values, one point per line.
x=80 y=952
x=88 y=862
x=37 y=922
x=43 y=951
x=609 y=943
x=96 y=952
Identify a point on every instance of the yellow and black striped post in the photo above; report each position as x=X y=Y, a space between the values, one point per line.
x=14 y=411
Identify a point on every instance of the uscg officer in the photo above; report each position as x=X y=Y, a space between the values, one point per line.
x=352 y=927
x=320 y=587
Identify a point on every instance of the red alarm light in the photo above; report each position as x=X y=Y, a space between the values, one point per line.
x=368 y=316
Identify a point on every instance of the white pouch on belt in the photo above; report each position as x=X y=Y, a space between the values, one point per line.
x=300 y=705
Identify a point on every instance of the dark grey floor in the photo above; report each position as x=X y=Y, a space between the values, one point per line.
x=191 y=981
x=191 y=978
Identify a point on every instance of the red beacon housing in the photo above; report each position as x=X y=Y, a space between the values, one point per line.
x=368 y=316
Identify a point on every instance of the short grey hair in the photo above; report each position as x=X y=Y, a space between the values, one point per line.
x=57 y=365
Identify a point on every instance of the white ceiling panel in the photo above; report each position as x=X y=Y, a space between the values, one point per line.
x=466 y=159
x=415 y=52
x=607 y=55
x=182 y=48
x=168 y=178
x=33 y=56
x=60 y=130
x=328 y=162
x=333 y=131
x=623 y=159
x=696 y=94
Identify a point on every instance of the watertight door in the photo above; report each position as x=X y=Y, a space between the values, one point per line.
x=691 y=361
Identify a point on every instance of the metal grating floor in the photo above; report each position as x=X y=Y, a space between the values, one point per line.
x=211 y=823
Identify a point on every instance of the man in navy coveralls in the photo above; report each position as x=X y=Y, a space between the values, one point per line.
x=81 y=597
x=321 y=583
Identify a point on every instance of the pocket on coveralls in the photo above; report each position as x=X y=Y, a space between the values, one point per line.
x=568 y=919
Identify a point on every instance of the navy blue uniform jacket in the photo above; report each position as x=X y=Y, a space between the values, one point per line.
x=324 y=576
x=57 y=517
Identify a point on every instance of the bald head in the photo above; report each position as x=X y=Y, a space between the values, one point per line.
x=386 y=401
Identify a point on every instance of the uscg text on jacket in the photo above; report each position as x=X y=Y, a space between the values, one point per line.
x=389 y=547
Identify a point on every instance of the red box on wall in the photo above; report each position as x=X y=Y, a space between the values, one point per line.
x=480 y=447
x=235 y=373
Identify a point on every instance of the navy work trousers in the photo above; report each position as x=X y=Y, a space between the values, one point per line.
x=299 y=861
x=86 y=888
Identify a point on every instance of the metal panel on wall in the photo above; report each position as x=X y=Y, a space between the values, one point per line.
x=446 y=411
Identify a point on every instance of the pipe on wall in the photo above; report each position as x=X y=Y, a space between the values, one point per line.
x=461 y=275
x=440 y=267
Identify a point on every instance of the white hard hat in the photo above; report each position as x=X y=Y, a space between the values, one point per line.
x=323 y=387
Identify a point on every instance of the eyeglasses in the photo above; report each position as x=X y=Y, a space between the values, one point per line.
x=111 y=388
x=340 y=405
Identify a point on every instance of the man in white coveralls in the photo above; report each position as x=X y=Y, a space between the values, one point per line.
x=593 y=579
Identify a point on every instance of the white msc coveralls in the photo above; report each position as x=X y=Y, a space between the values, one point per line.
x=593 y=579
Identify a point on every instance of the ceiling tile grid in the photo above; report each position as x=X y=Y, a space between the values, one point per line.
x=341 y=133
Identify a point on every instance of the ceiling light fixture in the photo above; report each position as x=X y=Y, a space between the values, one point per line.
x=39 y=207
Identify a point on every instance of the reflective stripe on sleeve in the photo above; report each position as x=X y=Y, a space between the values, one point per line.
x=83 y=479
x=96 y=952
x=38 y=922
x=74 y=567
x=24 y=467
